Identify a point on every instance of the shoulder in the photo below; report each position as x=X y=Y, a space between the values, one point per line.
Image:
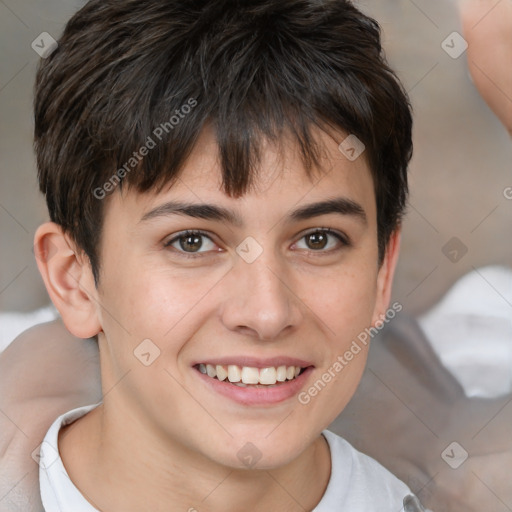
x=46 y=361
x=44 y=372
x=57 y=490
x=365 y=484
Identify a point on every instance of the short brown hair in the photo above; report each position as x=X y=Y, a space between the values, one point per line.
x=253 y=68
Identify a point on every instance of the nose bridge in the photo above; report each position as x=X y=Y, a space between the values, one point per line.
x=265 y=280
x=261 y=300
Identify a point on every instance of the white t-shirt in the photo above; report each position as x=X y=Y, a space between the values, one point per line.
x=358 y=483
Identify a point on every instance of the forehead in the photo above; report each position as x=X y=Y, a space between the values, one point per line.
x=281 y=181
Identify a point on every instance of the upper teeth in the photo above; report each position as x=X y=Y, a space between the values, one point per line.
x=250 y=375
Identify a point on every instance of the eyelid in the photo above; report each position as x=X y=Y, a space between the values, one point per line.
x=342 y=237
x=189 y=232
x=186 y=232
x=338 y=234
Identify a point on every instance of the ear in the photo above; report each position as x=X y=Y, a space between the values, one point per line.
x=386 y=274
x=68 y=278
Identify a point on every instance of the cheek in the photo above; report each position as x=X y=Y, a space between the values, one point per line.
x=156 y=304
x=345 y=307
x=146 y=317
x=151 y=302
x=344 y=300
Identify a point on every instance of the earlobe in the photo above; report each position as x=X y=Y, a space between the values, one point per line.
x=386 y=274
x=68 y=279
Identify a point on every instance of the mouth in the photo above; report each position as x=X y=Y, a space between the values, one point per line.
x=250 y=376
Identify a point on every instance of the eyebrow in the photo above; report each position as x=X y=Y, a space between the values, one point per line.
x=339 y=205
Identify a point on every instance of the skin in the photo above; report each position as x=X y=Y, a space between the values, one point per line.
x=39 y=381
x=290 y=301
x=391 y=434
x=487 y=28
x=70 y=378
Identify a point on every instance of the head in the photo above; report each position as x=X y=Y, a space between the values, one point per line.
x=245 y=113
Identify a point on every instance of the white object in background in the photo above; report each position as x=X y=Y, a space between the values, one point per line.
x=13 y=323
x=470 y=329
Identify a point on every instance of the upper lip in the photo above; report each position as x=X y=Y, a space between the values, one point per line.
x=255 y=362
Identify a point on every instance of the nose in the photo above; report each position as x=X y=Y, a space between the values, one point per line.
x=262 y=302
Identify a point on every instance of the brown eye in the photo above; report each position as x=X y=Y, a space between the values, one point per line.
x=191 y=242
x=316 y=240
x=324 y=240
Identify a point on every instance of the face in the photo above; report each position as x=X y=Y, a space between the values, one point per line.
x=261 y=288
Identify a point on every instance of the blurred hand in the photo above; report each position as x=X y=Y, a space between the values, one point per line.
x=487 y=28
x=44 y=373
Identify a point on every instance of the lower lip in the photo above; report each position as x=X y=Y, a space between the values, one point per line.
x=257 y=396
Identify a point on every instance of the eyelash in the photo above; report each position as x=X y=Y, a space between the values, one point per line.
x=345 y=242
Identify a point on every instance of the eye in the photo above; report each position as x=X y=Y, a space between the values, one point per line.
x=189 y=243
x=324 y=240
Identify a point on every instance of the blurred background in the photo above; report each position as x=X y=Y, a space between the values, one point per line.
x=458 y=221
x=459 y=215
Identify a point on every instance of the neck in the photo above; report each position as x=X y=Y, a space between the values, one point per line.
x=123 y=468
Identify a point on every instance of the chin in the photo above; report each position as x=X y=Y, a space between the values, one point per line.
x=260 y=453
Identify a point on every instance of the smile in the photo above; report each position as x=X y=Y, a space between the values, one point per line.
x=243 y=376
